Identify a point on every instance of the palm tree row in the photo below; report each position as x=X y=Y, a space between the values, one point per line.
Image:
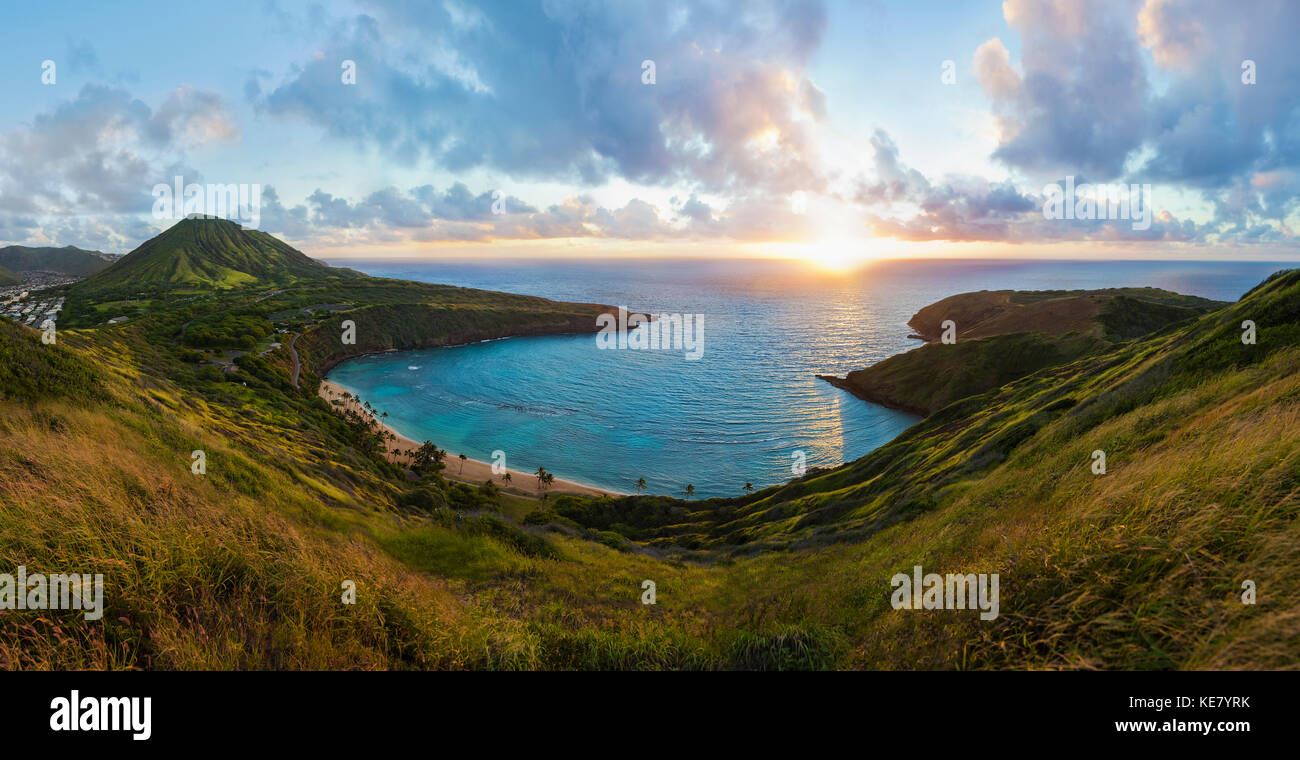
x=690 y=489
x=544 y=478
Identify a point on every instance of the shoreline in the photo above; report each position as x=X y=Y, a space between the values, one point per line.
x=475 y=471
x=331 y=362
x=843 y=384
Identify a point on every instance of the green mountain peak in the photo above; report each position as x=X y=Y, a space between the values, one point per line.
x=202 y=253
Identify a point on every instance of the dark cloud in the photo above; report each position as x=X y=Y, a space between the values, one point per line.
x=554 y=91
x=459 y=204
x=696 y=211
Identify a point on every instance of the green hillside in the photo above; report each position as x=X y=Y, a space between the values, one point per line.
x=75 y=262
x=1139 y=567
x=1005 y=335
x=1111 y=313
x=196 y=254
x=241 y=567
x=9 y=278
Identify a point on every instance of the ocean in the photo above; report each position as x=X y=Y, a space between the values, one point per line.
x=747 y=410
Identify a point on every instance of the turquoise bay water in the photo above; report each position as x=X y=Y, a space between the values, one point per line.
x=736 y=415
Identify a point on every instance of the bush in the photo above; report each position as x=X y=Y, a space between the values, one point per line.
x=471 y=498
x=540 y=517
x=425 y=497
x=227 y=331
x=521 y=541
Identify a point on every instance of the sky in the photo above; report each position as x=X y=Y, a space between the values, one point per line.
x=835 y=131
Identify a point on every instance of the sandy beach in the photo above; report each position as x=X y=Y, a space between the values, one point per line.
x=471 y=470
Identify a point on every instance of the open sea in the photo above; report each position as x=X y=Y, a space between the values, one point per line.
x=749 y=409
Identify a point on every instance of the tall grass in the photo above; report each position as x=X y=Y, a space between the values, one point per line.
x=243 y=568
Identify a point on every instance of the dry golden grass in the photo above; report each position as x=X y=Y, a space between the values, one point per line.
x=196 y=575
x=242 y=567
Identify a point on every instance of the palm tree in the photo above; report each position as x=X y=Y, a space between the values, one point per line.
x=506 y=478
x=462 y=463
x=690 y=490
x=541 y=473
x=749 y=488
x=424 y=456
x=548 y=479
x=640 y=484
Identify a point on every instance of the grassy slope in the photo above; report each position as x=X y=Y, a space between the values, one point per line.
x=393 y=315
x=9 y=278
x=72 y=261
x=241 y=568
x=1141 y=567
x=926 y=379
x=998 y=312
x=1006 y=335
x=204 y=254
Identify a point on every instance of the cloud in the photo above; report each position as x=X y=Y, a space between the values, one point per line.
x=456 y=214
x=82 y=173
x=554 y=91
x=1146 y=91
x=1174 y=37
x=961 y=208
x=100 y=232
x=893 y=181
x=190 y=117
x=103 y=151
x=1082 y=103
x=82 y=58
x=992 y=67
x=425 y=214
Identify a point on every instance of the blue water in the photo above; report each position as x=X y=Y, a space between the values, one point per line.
x=742 y=410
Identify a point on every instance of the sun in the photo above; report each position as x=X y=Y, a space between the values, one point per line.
x=837 y=254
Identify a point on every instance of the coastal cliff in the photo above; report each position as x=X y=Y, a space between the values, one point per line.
x=1002 y=336
x=404 y=327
